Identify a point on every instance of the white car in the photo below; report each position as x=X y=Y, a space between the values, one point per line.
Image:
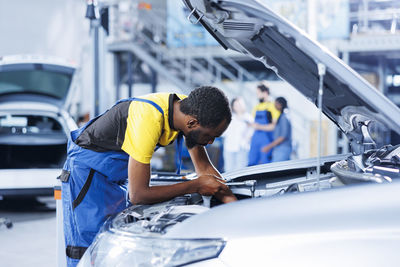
x=35 y=95
x=288 y=213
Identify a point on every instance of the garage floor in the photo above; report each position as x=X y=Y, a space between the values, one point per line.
x=32 y=239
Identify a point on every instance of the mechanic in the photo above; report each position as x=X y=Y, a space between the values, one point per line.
x=282 y=144
x=265 y=117
x=112 y=152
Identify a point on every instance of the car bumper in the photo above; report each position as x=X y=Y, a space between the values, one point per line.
x=28 y=182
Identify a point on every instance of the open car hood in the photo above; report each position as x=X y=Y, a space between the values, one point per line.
x=250 y=28
x=36 y=82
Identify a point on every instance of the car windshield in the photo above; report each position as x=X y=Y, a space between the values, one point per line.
x=43 y=79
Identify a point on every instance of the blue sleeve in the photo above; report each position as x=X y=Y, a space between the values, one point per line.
x=283 y=128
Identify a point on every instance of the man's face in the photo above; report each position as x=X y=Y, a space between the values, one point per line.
x=262 y=96
x=203 y=136
x=193 y=139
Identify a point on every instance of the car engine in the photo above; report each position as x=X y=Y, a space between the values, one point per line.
x=267 y=181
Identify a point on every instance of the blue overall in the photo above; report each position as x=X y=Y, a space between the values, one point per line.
x=94 y=187
x=259 y=140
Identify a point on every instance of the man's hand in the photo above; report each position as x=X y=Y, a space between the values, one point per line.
x=263 y=127
x=213 y=185
x=208 y=185
x=226 y=198
x=209 y=181
x=266 y=148
x=254 y=125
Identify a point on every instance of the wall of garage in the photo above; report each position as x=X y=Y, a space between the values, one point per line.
x=52 y=28
x=45 y=27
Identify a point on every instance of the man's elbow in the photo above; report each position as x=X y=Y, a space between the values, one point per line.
x=137 y=199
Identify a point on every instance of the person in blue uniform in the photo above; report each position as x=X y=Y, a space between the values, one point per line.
x=281 y=145
x=108 y=159
x=265 y=117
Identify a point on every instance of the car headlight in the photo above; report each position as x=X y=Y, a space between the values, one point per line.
x=117 y=250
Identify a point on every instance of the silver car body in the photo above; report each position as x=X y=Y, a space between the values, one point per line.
x=343 y=227
x=286 y=215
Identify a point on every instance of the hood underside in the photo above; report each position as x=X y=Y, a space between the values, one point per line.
x=35 y=82
x=252 y=29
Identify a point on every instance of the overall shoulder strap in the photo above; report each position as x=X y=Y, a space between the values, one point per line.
x=149 y=102
x=180 y=135
x=179 y=151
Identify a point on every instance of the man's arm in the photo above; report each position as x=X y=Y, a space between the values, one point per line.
x=264 y=127
x=273 y=144
x=204 y=167
x=272 y=115
x=284 y=131
x=140 y=192
x=201 y=161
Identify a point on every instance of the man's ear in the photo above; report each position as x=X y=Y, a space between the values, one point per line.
x=192 y=123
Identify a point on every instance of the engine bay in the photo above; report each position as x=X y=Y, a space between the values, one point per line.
x=264 y=181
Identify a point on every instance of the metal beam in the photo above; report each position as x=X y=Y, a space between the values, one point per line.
x=152 y=62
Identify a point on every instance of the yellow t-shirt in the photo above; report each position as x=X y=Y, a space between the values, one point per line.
x=269 y=106
x=147 y=127
x=134 y=127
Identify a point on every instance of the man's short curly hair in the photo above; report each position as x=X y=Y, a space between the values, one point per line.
x=263 y=88
x=209 y=105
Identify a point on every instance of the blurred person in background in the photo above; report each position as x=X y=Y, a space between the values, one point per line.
x=237 y=137
x=265 y=117
x=281 y=145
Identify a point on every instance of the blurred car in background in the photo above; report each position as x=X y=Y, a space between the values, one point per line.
x=35 y=94
x=340 y=210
